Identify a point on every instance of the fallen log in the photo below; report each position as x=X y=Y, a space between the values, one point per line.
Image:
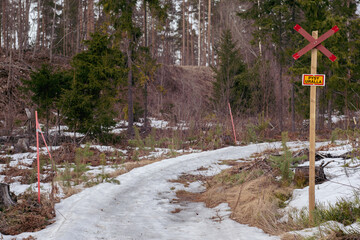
x=5 y=197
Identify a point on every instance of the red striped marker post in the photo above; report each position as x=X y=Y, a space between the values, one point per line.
x=38 y=154
x=38 y=129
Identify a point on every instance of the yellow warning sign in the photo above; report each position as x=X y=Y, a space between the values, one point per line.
x=313 y=79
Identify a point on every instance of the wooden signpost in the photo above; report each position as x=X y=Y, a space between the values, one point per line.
x=314 y=46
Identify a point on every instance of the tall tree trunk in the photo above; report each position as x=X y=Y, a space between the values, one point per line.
x=199 y=37
x=52 y=33
x=187 y=59
x=65 y=10
x=84 y=27
x=209 y=34
x=146 y=122
x=1 y=24
x=79 y=26
x=183 y=36
x=130 y=91
x=5 y=26
x=212 y=44
x=9 y=118
x=281 y=117
x=27 y=23
x=292 y=82
x=192 y=47
x=203 y=43
x=260 y=44
x=167 y=44
x=90 y=18
x=38 y=28
x=347 y=112
x=43 y=28
x=153 y=38
x=20 y=28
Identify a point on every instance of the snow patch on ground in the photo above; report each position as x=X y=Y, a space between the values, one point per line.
x=140 y=207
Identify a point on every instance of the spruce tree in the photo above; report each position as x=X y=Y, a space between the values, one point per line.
x=46 y=86
x=89 y=104
x=230 y=85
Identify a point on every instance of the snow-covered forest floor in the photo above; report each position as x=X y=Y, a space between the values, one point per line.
x=110 y=200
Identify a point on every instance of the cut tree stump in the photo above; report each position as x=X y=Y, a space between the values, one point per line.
x=5 y=198
x=302 y=174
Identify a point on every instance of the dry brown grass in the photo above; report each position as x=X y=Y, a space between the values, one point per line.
x=253 y=202
x=251 y=192
x=68 y=190
x=27 y=216
x=289 y=236
x=333 y=235
x=185 y=196
x=186 y=179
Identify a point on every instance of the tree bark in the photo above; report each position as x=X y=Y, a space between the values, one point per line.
x=146 y=122
x=199 y=37
x=209 y=34
x=260 y=44
x=293 y=16
x=192 y=47
x=153 y=38
x=38 y=29
x=52 y=34
x=27 y=23
x=43 y=28
x=65 y=27
x=130 y=91
x=1 y=23
x=80 y=27
x=5 y=198
x=5 y=26
x=187 y=59
x=280 y=77
x=90 y=18
x=203 y=42
x=183 y=36
x=20 y=28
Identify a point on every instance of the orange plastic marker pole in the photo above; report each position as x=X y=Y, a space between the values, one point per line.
x=38 y=154
x=232 y=121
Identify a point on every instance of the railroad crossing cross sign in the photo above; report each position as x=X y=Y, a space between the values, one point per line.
x=315 y=43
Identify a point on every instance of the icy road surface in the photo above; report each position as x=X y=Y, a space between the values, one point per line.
x=140 y=207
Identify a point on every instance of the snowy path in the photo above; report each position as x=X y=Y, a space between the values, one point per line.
x=140 y=207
